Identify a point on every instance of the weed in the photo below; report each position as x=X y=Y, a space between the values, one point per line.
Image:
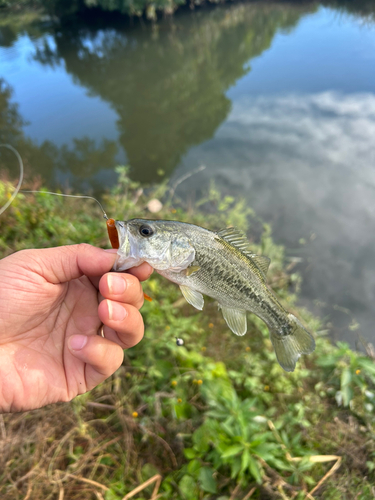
x=216 y=417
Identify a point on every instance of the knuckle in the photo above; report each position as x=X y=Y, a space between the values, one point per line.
x=82 y=247
x=139 y=325
x=134 y=288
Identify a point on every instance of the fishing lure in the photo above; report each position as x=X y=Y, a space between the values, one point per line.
x=112 y=233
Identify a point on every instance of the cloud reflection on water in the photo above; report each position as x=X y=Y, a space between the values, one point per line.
x=305 y=162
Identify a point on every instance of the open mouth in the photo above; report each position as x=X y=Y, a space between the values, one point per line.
x=127 y=254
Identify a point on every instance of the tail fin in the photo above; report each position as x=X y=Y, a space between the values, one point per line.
x=289 y=348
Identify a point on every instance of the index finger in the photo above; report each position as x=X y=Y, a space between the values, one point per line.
x=142 y=272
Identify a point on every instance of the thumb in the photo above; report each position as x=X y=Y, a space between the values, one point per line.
x=65 y=263
x=101 y=357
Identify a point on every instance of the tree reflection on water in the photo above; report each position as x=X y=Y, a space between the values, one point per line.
x=167 y=83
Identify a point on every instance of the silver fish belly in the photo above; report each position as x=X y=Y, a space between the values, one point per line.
x=219 y=265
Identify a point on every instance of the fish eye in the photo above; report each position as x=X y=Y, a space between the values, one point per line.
x=146 y=231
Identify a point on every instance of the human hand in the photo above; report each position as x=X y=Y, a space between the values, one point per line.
x=49 y=319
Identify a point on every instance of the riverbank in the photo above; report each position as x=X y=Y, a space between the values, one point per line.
x=216 y=418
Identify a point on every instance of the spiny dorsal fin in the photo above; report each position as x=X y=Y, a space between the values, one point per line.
x=238 y=239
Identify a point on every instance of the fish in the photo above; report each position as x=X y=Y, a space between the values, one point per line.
x=220 y=265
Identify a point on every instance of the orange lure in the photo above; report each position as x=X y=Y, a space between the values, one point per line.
x=113 y=238
x=112 y=233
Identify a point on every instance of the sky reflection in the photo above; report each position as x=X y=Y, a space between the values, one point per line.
x=305 y=163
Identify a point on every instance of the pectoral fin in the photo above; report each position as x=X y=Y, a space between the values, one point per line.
x=236 y=320
x=194 y=298
x=191 y=270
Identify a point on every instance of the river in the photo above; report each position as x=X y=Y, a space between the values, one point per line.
x=276 y=100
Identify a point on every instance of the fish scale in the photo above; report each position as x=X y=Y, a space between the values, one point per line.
x=220 y=265
x=236 y=285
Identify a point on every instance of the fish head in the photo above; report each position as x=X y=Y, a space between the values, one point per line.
x=163 y=244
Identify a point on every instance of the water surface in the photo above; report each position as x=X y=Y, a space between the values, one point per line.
x=276 y=100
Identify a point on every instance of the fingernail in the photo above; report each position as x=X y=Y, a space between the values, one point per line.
x=78 y=342
x=116 y=312
x=116 y=284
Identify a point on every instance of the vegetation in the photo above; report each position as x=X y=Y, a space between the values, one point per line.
x=215 y=418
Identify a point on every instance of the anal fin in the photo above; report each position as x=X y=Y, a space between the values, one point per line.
x=193 y=297
x=236 y=319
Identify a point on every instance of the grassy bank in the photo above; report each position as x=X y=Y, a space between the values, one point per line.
x=214 y=419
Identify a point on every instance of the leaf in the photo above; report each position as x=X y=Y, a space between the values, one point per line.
x=182 y=410
x=245 y=460
x=111 y=495
x=346 y=377
x=149 y=470
x=296 y=439
x=255 y=470
x=347 y=395
x=206 y=479
x=232 y=450
x=265 y=450
x=164 y=367
x=220 y=370
x=236 y=467
x=226 y=426
x=193 y=467
x=284 y=437
x=280 y=465
x=305 y=464
x=189 y=453
x=367 y=365
x=328 y=361
x=201 y=439
x=187 y=487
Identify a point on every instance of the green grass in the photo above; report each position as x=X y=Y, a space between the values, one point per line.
x=217 y=418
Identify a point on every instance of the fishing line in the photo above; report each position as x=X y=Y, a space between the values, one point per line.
x=20 y=180
x=17 y=190
x=111 y=225
x=70 y=196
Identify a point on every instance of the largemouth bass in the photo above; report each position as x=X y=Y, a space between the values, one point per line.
x=220 y=265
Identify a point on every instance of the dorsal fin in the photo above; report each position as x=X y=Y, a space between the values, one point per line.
x=239 y=240
x=262 y=262
x=236 y=238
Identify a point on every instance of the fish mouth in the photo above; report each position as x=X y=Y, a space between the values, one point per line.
x=127 y=253
x=121 y=228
